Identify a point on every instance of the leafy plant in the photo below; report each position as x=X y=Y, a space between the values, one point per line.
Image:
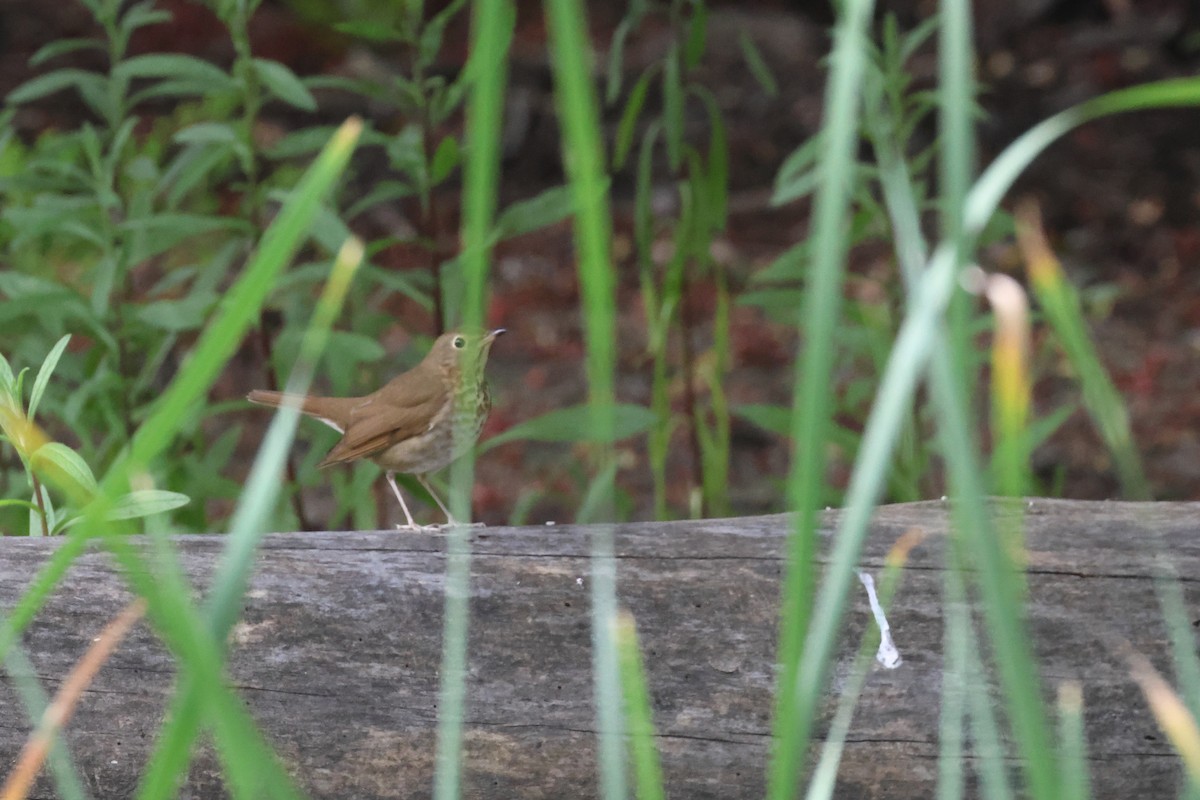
x=114 y=232
x=47 y=462
x=701 y=176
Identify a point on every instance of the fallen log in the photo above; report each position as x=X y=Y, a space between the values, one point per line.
x=337 y=653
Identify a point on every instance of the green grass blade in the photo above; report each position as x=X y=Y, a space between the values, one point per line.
x=956 y=103
x=956 y=642
x=263 y=485
x=578 y=114
x=1073 y=741
x=1060 y=302
x=795 y=705
x=177 y=620
x=246 y=530
x=1183 y=652
x=1000 y=584
x=990 y=753
x=491 y=27
x=996 y=180
x=646 y=766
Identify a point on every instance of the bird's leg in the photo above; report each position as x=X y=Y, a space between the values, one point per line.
x=450 y=520
x=412 y=525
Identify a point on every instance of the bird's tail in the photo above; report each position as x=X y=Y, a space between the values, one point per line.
x=323 y=408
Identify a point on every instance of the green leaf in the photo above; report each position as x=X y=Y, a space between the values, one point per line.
x=349 y=347
x=22 y=285
x=175 y=316
x=210 y=133
x=284 y=84
x=382 y=192
x=573 y=424
x=301 y=142
x=552 y=205
x=758 y=67
x=161 y=232
x=697 y=33
x=145 y=503
x=431 y=36
x=445 y=159
x=64 y=467
x=190 y=168
x=371 y=31
x=62 y=47
x=405 y=152
x=140 y=15
x=8 y=384
x=798 y=175
x=20 y=504
x=58 y=80
x=629 y=117
x=775 y=419
x=175 y=67
x=673 y=109
x=616 y=60
x=44 y=372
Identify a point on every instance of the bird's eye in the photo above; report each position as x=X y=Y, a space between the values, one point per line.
x=459 y=342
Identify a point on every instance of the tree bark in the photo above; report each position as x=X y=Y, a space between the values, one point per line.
x=338 y=650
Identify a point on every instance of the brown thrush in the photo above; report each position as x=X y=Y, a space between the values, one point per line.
x=416 y=423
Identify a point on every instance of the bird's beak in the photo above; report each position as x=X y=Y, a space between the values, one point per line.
x=491 y=336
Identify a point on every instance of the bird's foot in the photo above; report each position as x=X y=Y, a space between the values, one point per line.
x=414 y=528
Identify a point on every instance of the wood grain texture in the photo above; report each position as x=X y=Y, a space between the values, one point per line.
x=337 y=653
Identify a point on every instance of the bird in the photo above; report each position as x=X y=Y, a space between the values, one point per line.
x=415 y=424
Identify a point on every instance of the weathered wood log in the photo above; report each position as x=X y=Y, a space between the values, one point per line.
x=338 y=651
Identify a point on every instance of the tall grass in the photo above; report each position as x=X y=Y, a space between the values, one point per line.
x=584 y=159
x=491 y=27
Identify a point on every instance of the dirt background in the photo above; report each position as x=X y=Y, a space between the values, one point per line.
x=1121 y=200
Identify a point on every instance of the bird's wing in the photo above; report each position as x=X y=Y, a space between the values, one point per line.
x=379 y=421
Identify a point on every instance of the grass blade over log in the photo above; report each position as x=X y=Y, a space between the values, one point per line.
x=578 y=114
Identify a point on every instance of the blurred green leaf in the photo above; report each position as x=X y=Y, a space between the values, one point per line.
x=62 y=47
x=798 y=175
x=301 y=142
x=162 y=232
x=573 y=424
x=627 y=126
x=371 y=31
x=758 y=66
x=284 y=84
x=697 y=34
x=551 y=206
x=44 y=372
x=179 y=67
x=185 y=314
x=64 y=467
x=776 y=419
x=209 y=133
x=58 y=80
x=348 y=346
x=144 y=503
x=445 y=159
x=672 y=89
